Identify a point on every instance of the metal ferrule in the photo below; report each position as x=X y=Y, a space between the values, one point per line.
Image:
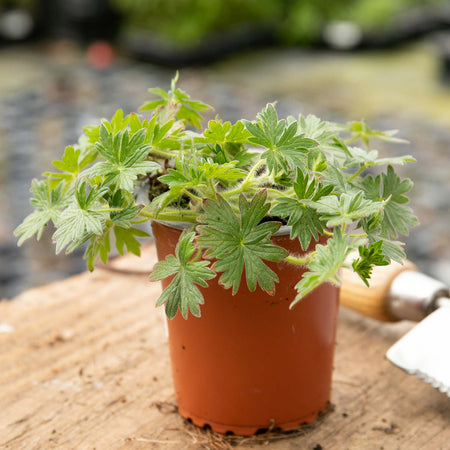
x=413 y=295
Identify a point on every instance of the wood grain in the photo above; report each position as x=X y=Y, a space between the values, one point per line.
x=85 y=365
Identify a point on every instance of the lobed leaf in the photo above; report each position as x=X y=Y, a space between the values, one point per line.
x=182 y=293
x=240 y=243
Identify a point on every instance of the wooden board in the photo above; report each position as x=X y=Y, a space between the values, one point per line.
x=84 y=364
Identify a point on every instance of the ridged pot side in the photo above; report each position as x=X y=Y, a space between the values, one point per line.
x=249 y=362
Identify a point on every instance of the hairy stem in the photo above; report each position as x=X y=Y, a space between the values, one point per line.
x=303 y=261
x=172 y=215
x=357 y=173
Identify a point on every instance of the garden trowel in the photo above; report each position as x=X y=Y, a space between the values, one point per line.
x=399 y=292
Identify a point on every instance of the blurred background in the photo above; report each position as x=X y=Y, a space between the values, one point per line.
x=67 y=63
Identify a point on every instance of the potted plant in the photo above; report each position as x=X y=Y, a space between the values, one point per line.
x=253 y=222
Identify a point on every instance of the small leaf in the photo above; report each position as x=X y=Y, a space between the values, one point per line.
x=325 y=265
x=125 y=237
x=48 y=203
x=182 y=293
x=368 y=257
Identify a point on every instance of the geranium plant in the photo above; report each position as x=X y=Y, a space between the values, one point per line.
x=236 y=184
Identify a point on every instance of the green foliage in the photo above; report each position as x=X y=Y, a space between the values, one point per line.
x=368 y=257
x=325 y=266
x=47 y=203
x=177 y=104
x=126 y=158
x=182 y=292
x=345 y=209
x=304 y=220
x=234 y=183
x=285 y=148
x=240 y=241
x=396 y=216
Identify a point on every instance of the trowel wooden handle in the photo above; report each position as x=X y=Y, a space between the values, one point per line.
x=371 y=301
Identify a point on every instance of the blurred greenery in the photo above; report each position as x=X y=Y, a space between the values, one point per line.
x=293 y=21
x=188 y=22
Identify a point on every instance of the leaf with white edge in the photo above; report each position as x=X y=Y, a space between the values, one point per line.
x=345 y=209
x=182 y=293
x=74 y=222
x=82 y=217
x=360 y=130
x=99 y=246
x=240 y=242
x=304 y=220
x=48 y=204
x=336 y=178
x=177 y=104
x=368 y=158
x=124 y=217
x=392 y=250
x=285 y=148
x=325 y=265
x=390 y=188
x=126 y=159
x=314 y=128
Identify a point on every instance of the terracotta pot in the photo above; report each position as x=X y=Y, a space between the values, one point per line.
x=249 y=362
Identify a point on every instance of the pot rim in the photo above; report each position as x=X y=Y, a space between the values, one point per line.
x=283 y=230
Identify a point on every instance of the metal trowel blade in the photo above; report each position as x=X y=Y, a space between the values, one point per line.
x=425 y=350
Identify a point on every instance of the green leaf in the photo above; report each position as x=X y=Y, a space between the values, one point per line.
x=118 y=122
x=285 y=148
x=240 y=242
x=125 y=237
x=82 y=217
x=304 y=220
x=182 y=293
x=124 y=217
x=222 y=172
x=71 y=164
x=47 y=204
x=369 y=256
x=325 y=265
x=360 y=130
x=126 y=158
x=177 y=104
x=345 y=209
x=368 y=158
x=390 y=188
x=99 y=246
x=336 y=178
x=223 y=132
x=314 y=128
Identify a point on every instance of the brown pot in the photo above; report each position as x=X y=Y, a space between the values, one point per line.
x=249 y=362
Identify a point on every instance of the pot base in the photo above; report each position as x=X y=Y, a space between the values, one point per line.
x=240 y=430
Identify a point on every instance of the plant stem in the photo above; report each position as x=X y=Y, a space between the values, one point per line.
x=278 y=193
x=174 y=215
x=357 y=173
x=358 y=235
x=161 y=153
x=109 y=210
x=300 y=261
x=241 y=188
x=193 y=196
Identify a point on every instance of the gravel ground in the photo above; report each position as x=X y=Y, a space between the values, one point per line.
x=48 y=93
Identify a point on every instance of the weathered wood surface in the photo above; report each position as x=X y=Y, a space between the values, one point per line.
x=84 y=364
